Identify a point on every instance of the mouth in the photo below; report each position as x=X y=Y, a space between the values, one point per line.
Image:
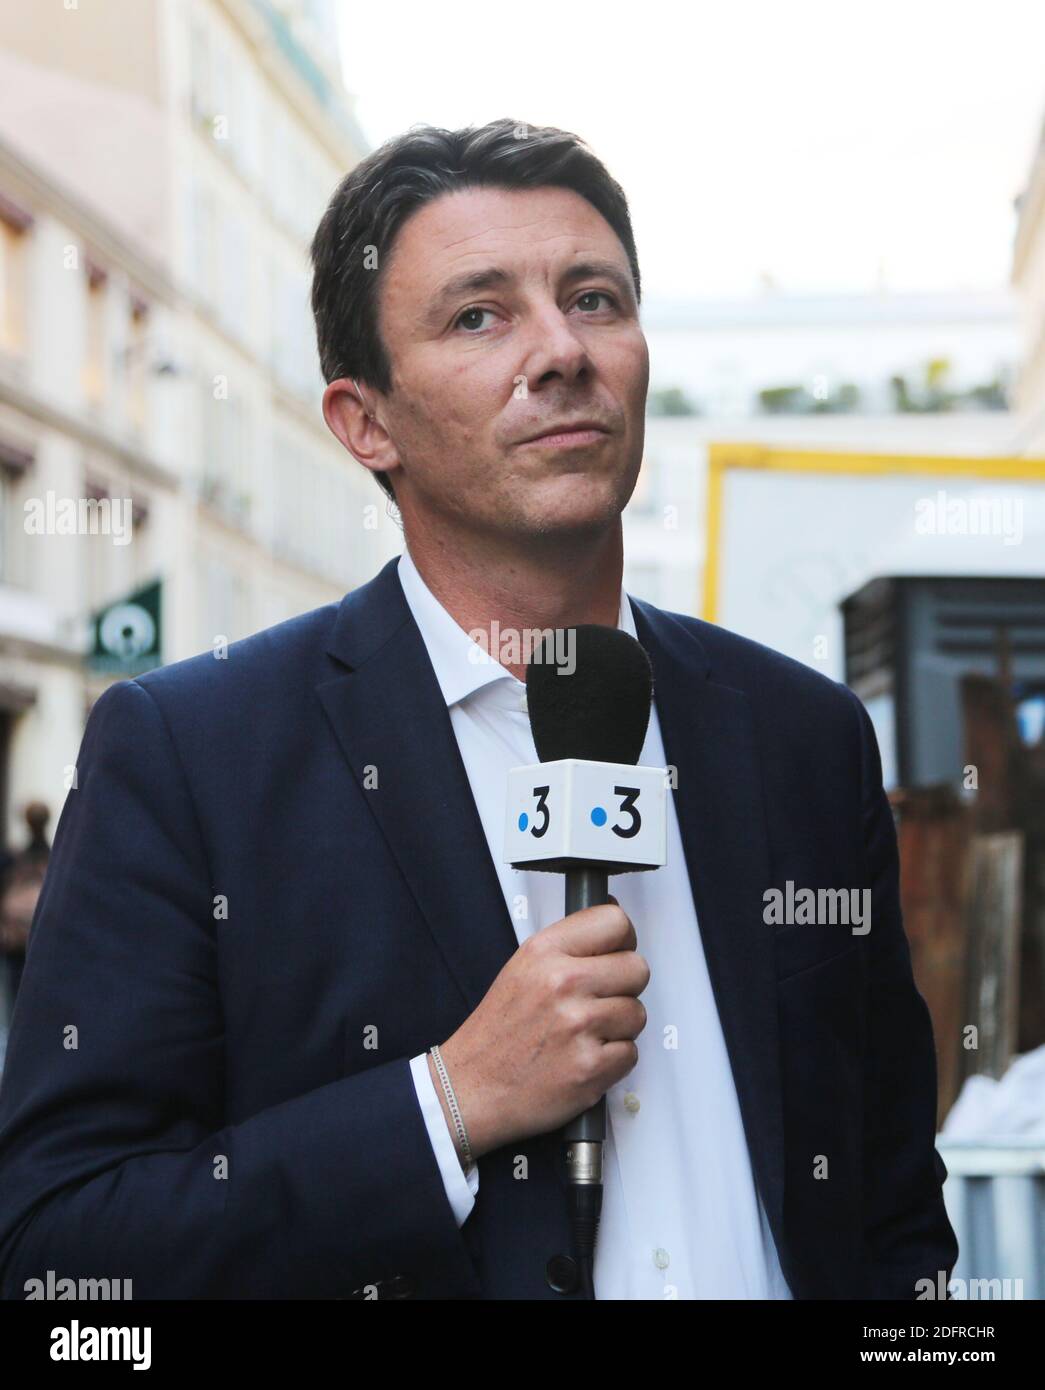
x=580 y=436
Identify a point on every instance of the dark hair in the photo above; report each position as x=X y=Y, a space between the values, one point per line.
x=372 y=202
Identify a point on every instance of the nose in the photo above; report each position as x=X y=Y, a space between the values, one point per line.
x=555 y=350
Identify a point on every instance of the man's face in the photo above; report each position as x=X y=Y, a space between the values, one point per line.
x=479 y=369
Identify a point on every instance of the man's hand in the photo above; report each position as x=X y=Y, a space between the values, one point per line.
x=554 y=1032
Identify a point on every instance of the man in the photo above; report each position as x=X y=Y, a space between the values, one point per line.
x=278 y=883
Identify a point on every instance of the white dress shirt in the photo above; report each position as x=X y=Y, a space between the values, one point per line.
x=681 y=1215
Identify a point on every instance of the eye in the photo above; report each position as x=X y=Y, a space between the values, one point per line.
x=467 y=313
x=597 y=294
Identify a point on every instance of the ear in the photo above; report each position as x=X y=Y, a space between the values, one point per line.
x=358 y=428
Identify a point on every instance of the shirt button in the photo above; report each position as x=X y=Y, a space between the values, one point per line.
x=631 y=1102
x=661 y=1259
x=522 y=698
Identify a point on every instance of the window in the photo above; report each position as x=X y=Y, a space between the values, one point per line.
x=14 y=224
x=200 y=74
x=16 y=462
x=202 y=226
x=233 y=278
x=250 y=127
x=12 y=291
x=225 y=476
x=294 y=351
x=95 y=373
x=224 y=601
x=102 y=561
x=137 y=363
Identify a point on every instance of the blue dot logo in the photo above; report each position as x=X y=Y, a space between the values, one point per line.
x=598 y=816
x=524 y=820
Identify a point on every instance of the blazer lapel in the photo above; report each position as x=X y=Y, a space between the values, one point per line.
x=709 y=737
x=388 y=714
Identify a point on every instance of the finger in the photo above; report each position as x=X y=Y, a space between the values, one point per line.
x=594 y=931
x=618 y=1020
x=616 y=973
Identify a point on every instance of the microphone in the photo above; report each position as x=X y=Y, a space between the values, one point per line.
x=586 y=810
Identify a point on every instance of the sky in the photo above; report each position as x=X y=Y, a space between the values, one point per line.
x=812 y=147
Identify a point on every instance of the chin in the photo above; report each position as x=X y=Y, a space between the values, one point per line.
x=577 y=501
x=583 y=517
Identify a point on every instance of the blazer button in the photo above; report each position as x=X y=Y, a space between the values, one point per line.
x=562 y=1274
x=400 y=1286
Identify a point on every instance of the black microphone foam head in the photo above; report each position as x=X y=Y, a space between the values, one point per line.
x=588 y=692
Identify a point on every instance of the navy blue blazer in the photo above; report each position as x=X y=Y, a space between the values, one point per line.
x=232 y=918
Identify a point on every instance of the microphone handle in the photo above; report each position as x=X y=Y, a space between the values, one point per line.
x=587 y=887
x=583 y=1136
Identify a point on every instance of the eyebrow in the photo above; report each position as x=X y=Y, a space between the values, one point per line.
x=493 y=277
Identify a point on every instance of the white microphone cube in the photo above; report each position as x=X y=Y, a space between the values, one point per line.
x=573 y=812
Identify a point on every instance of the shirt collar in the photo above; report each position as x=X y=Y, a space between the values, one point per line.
x=461 y=665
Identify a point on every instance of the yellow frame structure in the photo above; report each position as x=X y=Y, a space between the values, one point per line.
x=724 y=458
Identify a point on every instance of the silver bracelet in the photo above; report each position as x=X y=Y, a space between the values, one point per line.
x=451 y=1101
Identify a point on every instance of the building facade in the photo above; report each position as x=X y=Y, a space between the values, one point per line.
x=1028 y=278
x=163 y=166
